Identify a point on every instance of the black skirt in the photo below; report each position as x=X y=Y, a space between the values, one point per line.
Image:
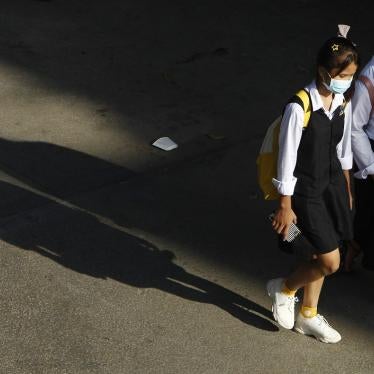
x=325 y=222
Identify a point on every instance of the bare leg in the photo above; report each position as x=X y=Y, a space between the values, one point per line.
x=315 y=270
x=311 y=293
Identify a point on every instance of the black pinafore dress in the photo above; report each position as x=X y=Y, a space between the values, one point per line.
x=321 y=200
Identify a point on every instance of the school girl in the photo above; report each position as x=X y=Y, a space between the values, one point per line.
x=363 y=153
x=314 y=186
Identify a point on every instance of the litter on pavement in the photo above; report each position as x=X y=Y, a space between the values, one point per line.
x=165 y=144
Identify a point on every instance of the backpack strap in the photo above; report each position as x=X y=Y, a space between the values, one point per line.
x=303 y=99
x=307 y=105
x=370 y=87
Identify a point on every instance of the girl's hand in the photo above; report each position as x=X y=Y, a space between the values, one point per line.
x=282 y=220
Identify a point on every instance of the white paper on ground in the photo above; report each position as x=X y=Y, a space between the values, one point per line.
x=165 y=144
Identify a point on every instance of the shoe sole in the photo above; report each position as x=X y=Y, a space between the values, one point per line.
x=301 y=331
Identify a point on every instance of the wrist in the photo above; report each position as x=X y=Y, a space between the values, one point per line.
x=285 y=202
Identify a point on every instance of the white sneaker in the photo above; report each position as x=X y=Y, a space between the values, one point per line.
x=283 y=305
x=317 y=327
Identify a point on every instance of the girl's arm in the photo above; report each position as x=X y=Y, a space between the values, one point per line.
x=344 y=150
x=289 y=139
x=291 y=130
x=348 y=182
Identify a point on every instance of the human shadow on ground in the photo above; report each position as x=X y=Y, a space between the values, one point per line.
x=78 y=241
x=164 y=209
x=230 y=233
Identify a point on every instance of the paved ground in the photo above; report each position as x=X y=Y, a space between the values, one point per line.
x=120 y=258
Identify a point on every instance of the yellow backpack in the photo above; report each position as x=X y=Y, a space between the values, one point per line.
x=267 y=160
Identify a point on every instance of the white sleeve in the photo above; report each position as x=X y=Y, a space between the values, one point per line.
x=362 y=152
x=291 y=130
x=344 y=148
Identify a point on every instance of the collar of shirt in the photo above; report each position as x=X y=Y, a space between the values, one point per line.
x=317 y=103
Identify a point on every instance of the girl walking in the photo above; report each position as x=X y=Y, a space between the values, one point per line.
x=314 y=185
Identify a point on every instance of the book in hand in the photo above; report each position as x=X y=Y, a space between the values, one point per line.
x=293 y=231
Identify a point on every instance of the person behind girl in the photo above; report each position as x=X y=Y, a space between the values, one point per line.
x=363 y=153
x=314 y=186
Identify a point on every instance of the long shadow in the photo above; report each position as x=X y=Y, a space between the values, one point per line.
x=80 y=242
x=232 y=233
x=145 y=205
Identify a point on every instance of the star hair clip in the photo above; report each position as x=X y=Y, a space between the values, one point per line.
x=335 y=47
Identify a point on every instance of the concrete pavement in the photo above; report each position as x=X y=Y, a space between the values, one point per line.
x=156 y=275
x=120 y=258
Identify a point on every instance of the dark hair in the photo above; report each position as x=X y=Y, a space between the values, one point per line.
x=337 y=53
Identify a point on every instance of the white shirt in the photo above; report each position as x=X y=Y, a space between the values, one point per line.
x=363 y=125
x=290 y=135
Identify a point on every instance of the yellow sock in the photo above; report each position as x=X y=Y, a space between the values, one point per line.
x=308 y=312
x=287 y=291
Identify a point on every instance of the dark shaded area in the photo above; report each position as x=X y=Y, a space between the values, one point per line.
x=170 y=208
x=80 y=242
x=227 y=229
x=56 y=170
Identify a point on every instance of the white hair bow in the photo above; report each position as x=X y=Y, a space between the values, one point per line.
x=343 y=30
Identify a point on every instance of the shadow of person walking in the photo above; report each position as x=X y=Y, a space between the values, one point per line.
x=78 y=241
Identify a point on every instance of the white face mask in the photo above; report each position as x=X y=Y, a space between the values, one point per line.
x=338 y=86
